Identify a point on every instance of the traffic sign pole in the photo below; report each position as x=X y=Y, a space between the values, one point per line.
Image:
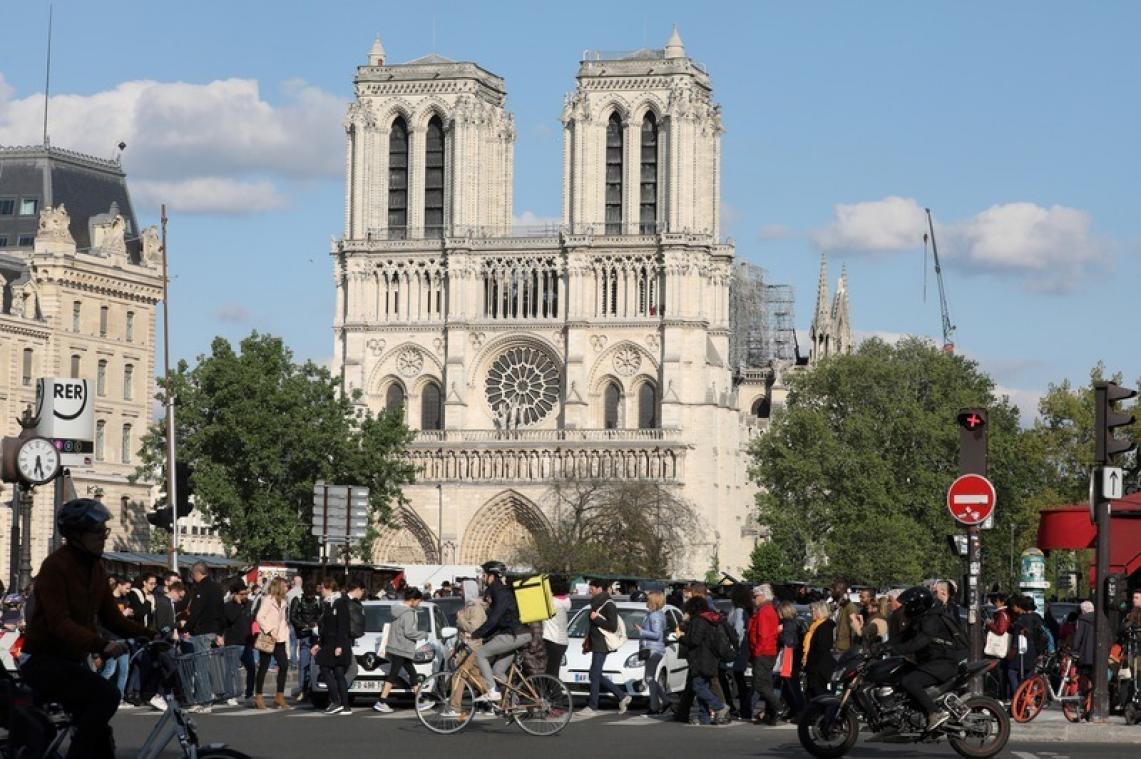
x=973 y=423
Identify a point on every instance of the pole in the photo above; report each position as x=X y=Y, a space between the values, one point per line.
x=440 y=522
x=57 y=500
x=14 y=542
x=325 y=534
x=348 y=527
x=171 y=487
x=973 y=443
x=1101 y=628
x=48 y=74
x=25 y=578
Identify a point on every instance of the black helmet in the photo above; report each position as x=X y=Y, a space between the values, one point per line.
x=497 y=568
x=80 y=515
x=916 y=601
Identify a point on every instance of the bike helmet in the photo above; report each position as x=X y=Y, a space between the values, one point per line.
x=497 y=568
x=80 y=515
x=916 y=601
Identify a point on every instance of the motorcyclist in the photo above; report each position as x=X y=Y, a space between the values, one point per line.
x=937 y=645
x=72 y=596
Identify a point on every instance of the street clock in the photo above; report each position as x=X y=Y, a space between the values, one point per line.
x=37 y=460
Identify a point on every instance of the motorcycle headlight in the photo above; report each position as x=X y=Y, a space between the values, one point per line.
x=632 y=660
x=422 y=656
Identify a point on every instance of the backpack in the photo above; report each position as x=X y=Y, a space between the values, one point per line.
x=356 y=619
x=726 y=643
x=957 y=639
x=1044 y=640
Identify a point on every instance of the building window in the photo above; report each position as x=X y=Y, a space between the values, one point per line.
x=434 y=179
x=130 y=329
x=7 y=206
x=394 y=398
x=126 y=452
x=614 y=175
x=76 y=313
x=649 y=196
x=611 y=406
x=101 y=378
x=762 y=409
x=26 y=241
x=129 y=382
x=398 y=180
x=647 y=406
x=104 y=312
x=3 y=241
x=431 y=408
x=26 y=374
x=29 y=206
x=74 y=366
x=100 y=438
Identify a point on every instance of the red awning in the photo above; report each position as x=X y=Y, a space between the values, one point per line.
x=1069 y=528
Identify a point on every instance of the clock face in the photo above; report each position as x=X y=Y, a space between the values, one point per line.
x=38 y=460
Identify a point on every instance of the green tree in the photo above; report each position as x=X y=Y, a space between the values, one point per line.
x=854 y=468
x=259 y=429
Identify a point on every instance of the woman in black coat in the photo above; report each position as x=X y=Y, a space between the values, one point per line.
x=818 y=661
x=334 y=634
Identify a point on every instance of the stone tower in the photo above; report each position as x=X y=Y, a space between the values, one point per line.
x=831 y=331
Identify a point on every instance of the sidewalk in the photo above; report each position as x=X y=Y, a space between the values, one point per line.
x=1051 y=725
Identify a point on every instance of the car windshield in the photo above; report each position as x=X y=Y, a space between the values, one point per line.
x=578 y=627
x=376 y=616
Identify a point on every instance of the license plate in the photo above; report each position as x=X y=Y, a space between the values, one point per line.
x=582 y=677
x=368 y=685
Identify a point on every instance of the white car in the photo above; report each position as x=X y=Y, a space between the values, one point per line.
x=623 y=666
x=370 y=668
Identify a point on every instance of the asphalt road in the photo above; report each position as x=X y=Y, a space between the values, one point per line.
x=307 y=733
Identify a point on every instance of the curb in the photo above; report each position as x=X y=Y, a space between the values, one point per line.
x=1070 y=733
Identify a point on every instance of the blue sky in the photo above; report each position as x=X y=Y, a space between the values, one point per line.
x=1017 y=123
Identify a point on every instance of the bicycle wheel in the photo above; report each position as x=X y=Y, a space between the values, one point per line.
x=1029 y=699
x=221 y=753
x=1081 y=693
x=434 y=703
x=542 y=706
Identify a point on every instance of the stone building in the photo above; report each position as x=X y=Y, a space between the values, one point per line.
x=80 y=283
x=831 y=330
x=598 y=348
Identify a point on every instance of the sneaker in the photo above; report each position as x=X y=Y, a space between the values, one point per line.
x=345 y=711
x=202 y=708
x=382 y=707
x=232 y=702
x=721 y=716
x=624 y=704
x=449 y=713
x=334 y=709
x=587 y=711
x=937 y=719
x=491 y=695
x=158 y=702
x=126 y=705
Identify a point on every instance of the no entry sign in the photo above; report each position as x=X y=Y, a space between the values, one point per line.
x=970 y=499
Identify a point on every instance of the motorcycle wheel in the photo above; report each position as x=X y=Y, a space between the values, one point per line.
x=827 y=742
x=987 y=728
x=1029 y=699
x=1081 y=708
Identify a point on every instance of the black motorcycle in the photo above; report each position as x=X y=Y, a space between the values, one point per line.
x=869 y=691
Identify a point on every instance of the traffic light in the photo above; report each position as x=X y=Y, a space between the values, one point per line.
x=162 y=518
x=1107 y=418
x=182 y=474
x=972 y=441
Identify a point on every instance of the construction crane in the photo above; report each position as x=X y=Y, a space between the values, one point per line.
x=948 y=327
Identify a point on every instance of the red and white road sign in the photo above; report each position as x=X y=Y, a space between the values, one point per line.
x=970 y=499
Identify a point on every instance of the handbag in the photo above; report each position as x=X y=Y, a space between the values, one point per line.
x=616 y=639
x=382 y=644
x=997 y=646
x=264 y=643
x=789 y=657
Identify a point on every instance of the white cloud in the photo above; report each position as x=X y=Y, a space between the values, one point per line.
x=1025 y=400
x=233 y=313
x=210 y=195
x=775 y=232
x=532 y=220
x=891 y=338
x=1048 y=249
x=181 y=133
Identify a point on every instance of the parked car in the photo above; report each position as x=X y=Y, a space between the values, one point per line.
x=623 y=666
x=371 y=668
x=451 y=606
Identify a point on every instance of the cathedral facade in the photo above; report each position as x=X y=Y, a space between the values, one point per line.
x=598 y=348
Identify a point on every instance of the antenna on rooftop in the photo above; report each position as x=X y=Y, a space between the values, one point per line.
x=48 y=74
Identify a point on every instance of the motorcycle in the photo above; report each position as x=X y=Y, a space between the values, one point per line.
x=869 y=691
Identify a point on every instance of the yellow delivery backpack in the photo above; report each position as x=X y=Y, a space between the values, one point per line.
x=534 y=599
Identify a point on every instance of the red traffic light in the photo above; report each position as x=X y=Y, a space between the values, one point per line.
x=972 y=419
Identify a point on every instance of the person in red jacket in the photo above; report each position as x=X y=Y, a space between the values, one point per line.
x=1000 y=625
x=764 y=629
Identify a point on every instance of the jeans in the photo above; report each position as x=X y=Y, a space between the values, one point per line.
x=91 y=701
x=499 y=646
x=203 y=684
x=334 y=678
x=598 y=681
x=304 y=659
x=657 y=692
x=707 y=700
x=279 y=653
x=250 y=666
x=763 y=685
x=744 y=694
x=116 y=670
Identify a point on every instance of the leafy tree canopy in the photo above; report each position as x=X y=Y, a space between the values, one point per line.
x=258 y=430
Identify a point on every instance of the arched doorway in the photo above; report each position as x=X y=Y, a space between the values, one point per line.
x=410 y=543
x=500 y=529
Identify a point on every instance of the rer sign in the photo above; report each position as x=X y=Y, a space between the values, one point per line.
x=971 y=499
x=65 y=414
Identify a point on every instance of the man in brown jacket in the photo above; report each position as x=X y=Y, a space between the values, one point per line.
x=72 y=595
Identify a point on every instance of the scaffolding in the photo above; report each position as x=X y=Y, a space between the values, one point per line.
x=761 y=318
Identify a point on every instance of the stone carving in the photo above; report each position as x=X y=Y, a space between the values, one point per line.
x=627 y=361
x=779 y=366
x=409 y=362
x=477 y=339
x=598 y=342
x=152 y=246
x=110 y=238
x=522 y=387
x=653 y=341
x=376 y=345
x=438 y=344
x=54 y=226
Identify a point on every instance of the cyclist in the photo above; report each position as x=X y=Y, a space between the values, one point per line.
x=502 y=633
x=72 y=595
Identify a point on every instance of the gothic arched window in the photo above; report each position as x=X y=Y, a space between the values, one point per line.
x=398 y=180
x=614 y=175
x=762 y=408
x=611 y=406
x=431 y=408
x=434 y=179
x=647 y=406
x=394 y=397
x=649 y=196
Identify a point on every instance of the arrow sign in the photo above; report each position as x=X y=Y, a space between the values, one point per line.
x=1112 y=483
x=971 y=499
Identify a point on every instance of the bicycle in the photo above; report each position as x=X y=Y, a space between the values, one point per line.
x=539 y=704
x=200 y=677
x=1074 y=691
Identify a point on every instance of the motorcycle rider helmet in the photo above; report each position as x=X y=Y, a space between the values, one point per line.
x=916 y=601
x=80 y=515
x=496 y=568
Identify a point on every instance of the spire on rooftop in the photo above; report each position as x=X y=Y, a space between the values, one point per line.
x=674 y=47
x=376 y=55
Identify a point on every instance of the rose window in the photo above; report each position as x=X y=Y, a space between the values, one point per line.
x=522 y=386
